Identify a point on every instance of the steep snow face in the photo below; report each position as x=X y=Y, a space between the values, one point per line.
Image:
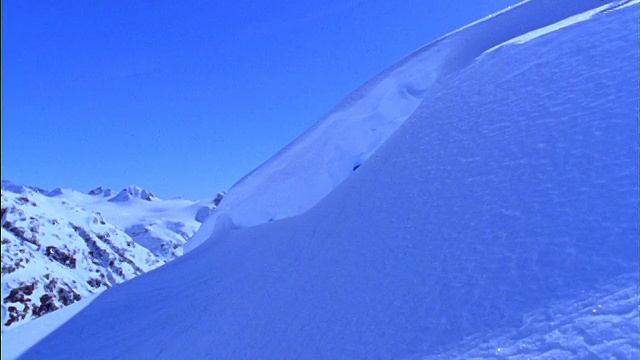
x=513 y=215
x=309 y=168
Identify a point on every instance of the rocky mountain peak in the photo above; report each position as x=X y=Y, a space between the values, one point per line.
x=133 y=191
x=105 y=192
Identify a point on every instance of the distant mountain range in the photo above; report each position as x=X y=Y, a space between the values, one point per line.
x=61 y=246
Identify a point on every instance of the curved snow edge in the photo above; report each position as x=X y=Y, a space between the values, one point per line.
x=309 y=168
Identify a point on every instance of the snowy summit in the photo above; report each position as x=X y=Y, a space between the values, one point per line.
x=132 y=192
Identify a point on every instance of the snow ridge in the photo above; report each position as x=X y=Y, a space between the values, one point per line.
x=499 y=221
x=309 y=168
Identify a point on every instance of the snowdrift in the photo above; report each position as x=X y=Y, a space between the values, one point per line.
x=308 y=169
x=500 y=219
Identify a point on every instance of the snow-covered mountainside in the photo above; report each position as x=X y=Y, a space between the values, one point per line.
x=61 y=246
x=499 y=220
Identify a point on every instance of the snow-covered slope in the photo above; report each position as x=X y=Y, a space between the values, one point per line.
x=498 y=221
x=61 y=246
x=161 y=226
x=22 y=337
x=55 y=253
x=308 y=169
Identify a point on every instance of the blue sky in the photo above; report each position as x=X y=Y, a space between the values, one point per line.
x=184 y=98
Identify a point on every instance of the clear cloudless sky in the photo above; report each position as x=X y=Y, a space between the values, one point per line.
x=186 y=97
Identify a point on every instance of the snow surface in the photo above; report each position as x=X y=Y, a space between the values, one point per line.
x=21 y=338
x=499 y=221
x=308 y=169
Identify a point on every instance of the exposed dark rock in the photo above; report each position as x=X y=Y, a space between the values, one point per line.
x=101 y=256
x=131 y=192
x=19 y=233
x=67 y=296
x=147 y=195
x=51 y=285
x=94 y=283
x=47 y=305
x=61 y=257
x=16 y=315
x=101 y=191
x=119 y=271
x=219 y=198
x=8 y=269
x=204 y=212
x=19 y=294
x=18 y=263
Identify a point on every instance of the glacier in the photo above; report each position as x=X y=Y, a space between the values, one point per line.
x=499 y=219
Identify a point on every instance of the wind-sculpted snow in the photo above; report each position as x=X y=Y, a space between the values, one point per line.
x=504 y=209
x=595 y=325
x=308 y=169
